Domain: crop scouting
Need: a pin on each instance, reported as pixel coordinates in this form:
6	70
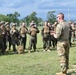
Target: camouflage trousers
63	52
46	40
32	43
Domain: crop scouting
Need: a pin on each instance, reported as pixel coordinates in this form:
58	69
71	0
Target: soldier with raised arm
62	34
23	34
14	37
46	36
33	39
8	36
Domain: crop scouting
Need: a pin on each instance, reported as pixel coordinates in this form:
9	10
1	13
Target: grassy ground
34	63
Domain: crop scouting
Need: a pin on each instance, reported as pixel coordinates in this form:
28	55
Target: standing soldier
33	33
70	33
8	36
52	38
3	34
2	39
73	33
62	34
46	36
14	37
23	37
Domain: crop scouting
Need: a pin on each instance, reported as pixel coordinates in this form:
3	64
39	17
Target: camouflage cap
31	24
2	22
13	24
6	23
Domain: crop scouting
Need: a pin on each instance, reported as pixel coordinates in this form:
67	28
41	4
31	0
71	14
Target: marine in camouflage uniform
74	31
3	34
14	37
70	33
53	40
8	36
1	40
23	35
33	39
62	34
46	36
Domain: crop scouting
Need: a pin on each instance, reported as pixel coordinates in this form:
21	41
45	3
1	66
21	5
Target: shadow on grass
11	52
73	45
72	72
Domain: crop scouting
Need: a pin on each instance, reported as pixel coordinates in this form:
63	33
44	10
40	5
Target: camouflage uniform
33	40
14	37
8	36
4	35
74	30
23	36
62	34
70	34
46	37
53	40
1	42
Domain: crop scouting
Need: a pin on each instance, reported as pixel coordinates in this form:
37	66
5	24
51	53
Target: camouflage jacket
62	31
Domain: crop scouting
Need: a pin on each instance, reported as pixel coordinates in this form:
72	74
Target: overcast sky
41	7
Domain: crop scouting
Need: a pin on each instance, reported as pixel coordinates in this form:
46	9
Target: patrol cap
2	22
13	24
6	23
31	24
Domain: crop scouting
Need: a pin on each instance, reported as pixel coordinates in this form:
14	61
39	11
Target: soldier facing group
62	34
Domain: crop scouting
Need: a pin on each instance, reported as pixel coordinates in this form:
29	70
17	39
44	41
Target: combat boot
60	73
45	49
29	51
48	50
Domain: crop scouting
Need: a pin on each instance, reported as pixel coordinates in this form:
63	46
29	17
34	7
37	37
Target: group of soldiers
15	36
19	37
58	34
72	32
47	34
6	34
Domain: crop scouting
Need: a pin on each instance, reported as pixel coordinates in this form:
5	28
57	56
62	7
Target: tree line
14	17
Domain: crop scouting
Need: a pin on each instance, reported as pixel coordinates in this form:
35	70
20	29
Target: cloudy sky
41	7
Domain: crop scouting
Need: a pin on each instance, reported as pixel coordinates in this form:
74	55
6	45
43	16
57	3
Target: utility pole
68	12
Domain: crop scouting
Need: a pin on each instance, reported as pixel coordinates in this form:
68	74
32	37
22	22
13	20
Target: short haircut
62	15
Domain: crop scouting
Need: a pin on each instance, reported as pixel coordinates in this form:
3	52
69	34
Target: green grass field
34	63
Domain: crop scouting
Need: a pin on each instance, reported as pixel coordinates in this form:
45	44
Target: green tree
14	17
4	18
51	17
29	18
40	21
33	17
